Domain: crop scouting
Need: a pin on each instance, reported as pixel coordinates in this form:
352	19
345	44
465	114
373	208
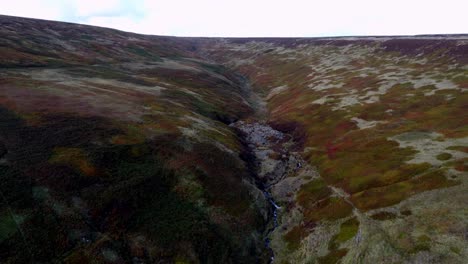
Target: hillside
124	148
385	122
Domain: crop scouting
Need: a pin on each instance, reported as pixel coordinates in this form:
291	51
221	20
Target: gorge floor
273	162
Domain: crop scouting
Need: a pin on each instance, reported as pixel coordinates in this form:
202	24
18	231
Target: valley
117	147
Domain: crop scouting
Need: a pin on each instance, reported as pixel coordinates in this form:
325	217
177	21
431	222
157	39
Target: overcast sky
248	18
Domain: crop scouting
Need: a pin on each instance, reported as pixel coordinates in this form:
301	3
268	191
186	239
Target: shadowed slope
115	148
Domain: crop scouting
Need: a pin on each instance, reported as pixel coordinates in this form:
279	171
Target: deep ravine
273	162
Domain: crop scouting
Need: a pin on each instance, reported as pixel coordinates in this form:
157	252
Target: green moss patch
332	208
444	156
459	148
348	230
422	243
394	193
312	192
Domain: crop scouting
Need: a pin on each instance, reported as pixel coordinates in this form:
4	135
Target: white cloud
256	17
85	8
122	23
46	9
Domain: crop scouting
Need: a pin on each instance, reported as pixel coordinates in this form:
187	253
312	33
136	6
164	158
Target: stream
275	209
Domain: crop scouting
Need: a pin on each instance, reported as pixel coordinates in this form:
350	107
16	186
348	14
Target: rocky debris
300	172
259	134
278	168
271	164
269	147
279	172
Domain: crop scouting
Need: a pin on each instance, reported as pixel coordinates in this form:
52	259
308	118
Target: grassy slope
383	120
115	146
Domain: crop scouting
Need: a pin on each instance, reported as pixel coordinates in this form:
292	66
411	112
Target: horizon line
422	35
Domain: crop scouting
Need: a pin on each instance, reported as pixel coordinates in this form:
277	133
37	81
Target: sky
254	18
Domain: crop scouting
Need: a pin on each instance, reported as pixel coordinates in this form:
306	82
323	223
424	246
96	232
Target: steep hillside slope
115	148
385	120
118	148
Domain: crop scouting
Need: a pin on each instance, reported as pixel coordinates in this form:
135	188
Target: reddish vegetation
117	145
416	46
331	150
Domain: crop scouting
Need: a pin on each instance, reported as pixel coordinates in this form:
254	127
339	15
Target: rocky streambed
273	162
